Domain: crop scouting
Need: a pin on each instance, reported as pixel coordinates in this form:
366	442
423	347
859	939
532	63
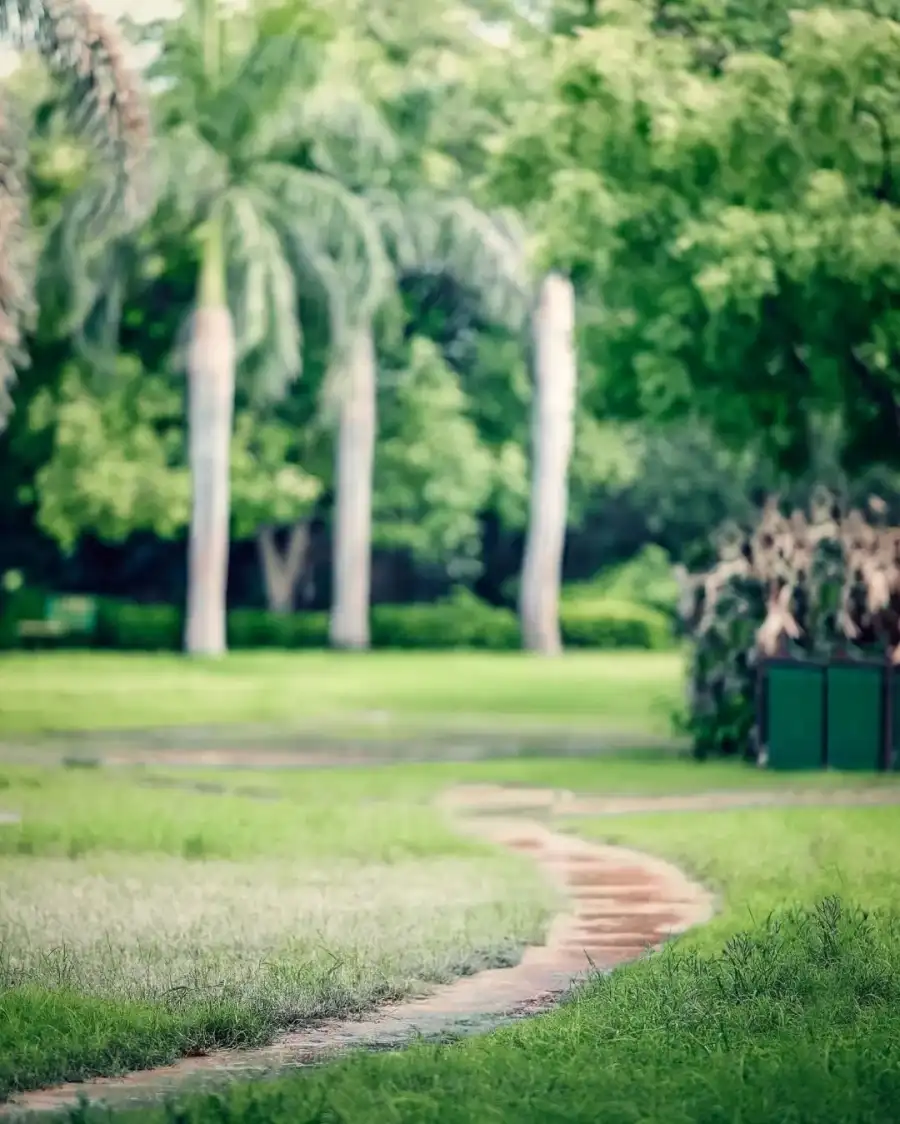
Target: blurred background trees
719	187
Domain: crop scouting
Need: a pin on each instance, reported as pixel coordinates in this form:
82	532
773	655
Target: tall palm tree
422	60
553	424
235	109
85	57
423	232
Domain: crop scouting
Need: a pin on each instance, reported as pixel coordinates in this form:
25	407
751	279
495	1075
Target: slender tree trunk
281	572
210	368
352	535
553	417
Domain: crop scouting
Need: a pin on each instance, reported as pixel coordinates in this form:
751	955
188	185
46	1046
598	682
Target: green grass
621	691
140	924
785	1009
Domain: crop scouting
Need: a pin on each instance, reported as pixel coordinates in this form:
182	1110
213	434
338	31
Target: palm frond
449	234
83	276
103	95
262	57
17	306
338	233
262	293
280	58
104	101
193	174
348	135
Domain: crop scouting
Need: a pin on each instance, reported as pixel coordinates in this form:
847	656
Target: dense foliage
721	183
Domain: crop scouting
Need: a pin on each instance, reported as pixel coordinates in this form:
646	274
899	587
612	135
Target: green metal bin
855	708
794	709
894	712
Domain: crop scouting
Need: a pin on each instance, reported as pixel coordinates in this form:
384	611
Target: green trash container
855	716
894	688
794	708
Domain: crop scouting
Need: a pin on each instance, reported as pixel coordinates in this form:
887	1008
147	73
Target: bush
460	621
138	628
17	605
255	628
646	579
613	624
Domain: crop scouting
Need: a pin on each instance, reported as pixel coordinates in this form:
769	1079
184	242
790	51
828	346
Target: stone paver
619	905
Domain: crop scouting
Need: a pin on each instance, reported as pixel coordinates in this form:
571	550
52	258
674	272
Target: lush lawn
619	691
138	924
797	1020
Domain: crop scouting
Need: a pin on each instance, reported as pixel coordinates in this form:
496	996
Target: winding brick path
619	903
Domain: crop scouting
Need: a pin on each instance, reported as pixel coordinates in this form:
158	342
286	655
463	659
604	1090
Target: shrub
138	628
255	628
613	624
646	579
460	621
17	605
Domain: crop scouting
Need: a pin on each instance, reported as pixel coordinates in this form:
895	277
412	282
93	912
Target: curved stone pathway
620	903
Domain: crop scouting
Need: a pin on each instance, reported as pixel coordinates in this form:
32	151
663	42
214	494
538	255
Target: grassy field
785	1009
138	924
619	691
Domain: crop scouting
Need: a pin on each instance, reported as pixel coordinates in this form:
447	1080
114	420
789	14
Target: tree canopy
733	228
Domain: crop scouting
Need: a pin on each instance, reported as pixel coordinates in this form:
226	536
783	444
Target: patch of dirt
620	904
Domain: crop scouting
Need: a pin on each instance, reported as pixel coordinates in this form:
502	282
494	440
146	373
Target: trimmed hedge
22	605
646	579
258	628
460	621
138	628
613	624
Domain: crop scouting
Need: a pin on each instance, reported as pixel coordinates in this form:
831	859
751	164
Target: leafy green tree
734	234
433	475
118	461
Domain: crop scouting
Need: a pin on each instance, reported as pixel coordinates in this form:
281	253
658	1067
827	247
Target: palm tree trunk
352	536
553	416
210	368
